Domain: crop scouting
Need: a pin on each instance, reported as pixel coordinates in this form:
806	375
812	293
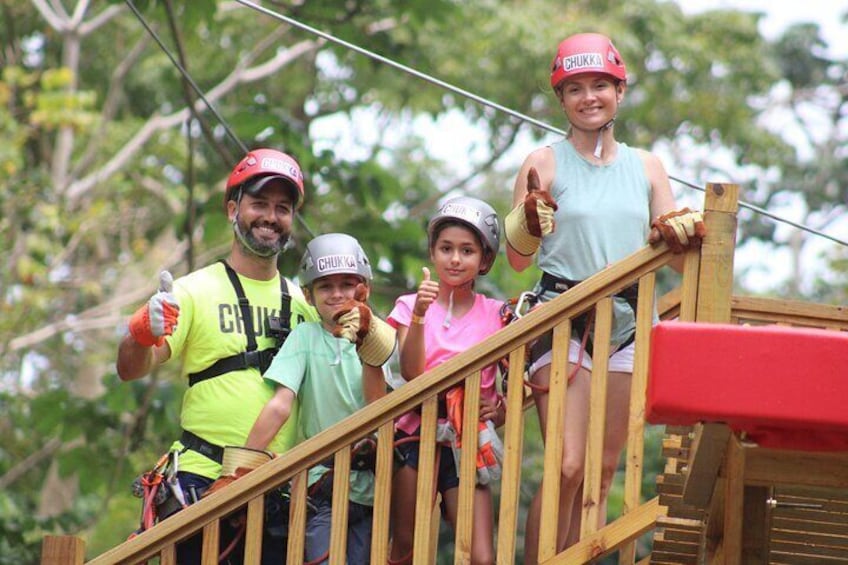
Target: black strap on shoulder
280	326
244	306
250	357
285	303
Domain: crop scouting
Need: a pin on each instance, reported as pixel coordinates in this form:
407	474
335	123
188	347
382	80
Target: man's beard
254	246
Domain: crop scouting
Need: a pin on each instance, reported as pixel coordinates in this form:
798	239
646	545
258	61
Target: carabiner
527	299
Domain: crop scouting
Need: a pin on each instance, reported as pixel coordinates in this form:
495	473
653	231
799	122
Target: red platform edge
784	387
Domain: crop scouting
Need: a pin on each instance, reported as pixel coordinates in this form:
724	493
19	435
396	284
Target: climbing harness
279	328
512	310
515	308
582	325
160	492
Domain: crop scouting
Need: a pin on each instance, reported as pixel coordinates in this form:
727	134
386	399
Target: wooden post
62	550
713	305
715	290
513	449
715	280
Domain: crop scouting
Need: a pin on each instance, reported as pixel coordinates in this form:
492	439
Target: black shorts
407	451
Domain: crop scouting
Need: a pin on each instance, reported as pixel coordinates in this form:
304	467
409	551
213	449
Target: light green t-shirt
223	409
326	375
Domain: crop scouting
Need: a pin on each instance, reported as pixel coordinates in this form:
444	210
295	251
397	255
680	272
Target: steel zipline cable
202	96
187	77
486	102
432	80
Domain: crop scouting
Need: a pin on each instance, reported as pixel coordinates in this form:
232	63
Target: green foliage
93	206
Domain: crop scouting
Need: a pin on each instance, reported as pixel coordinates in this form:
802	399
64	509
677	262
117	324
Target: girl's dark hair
450	223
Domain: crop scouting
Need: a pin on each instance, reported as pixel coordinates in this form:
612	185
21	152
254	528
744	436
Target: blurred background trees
112	169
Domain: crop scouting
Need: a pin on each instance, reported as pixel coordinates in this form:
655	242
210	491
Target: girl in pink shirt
443	318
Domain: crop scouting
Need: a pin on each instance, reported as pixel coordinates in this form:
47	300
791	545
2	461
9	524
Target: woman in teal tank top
580	205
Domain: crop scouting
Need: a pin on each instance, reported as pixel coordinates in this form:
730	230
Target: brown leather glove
225	480
532	219
353	320
374	338
237	462
680	229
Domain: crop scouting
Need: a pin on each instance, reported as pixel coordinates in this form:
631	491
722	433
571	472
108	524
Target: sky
780	14
766	266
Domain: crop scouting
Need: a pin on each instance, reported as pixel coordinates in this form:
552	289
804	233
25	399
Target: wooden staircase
807	521
788	519
679	537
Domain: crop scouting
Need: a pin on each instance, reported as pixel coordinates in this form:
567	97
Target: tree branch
189	96
99	20
33	460
59	8
79	188
79	14
53	19
110	105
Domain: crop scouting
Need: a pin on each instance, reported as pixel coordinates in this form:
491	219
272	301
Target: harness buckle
252	358
277	329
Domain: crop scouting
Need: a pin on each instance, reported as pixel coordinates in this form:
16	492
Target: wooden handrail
422	393
406	398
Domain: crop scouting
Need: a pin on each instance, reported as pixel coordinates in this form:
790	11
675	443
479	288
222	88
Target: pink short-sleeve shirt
445	337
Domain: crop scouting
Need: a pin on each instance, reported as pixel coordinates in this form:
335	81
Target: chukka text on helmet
333	254
586	53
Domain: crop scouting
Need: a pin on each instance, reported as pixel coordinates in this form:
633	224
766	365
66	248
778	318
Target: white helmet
475	214
333	254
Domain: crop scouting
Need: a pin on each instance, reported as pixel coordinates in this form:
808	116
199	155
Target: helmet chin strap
449	316
599	142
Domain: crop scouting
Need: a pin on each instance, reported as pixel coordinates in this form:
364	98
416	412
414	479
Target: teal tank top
604	215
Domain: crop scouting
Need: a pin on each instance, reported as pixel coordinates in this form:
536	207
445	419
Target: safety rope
486	102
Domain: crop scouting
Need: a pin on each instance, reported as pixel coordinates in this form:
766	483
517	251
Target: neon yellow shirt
223	409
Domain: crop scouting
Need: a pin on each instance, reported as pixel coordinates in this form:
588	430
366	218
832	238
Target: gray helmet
478	216
333	254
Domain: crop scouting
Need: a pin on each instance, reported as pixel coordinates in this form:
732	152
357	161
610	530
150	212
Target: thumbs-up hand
374	338
428	292
158	318
532	219
539	207
353	318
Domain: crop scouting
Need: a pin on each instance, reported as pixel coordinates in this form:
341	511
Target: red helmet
265	165
586	53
